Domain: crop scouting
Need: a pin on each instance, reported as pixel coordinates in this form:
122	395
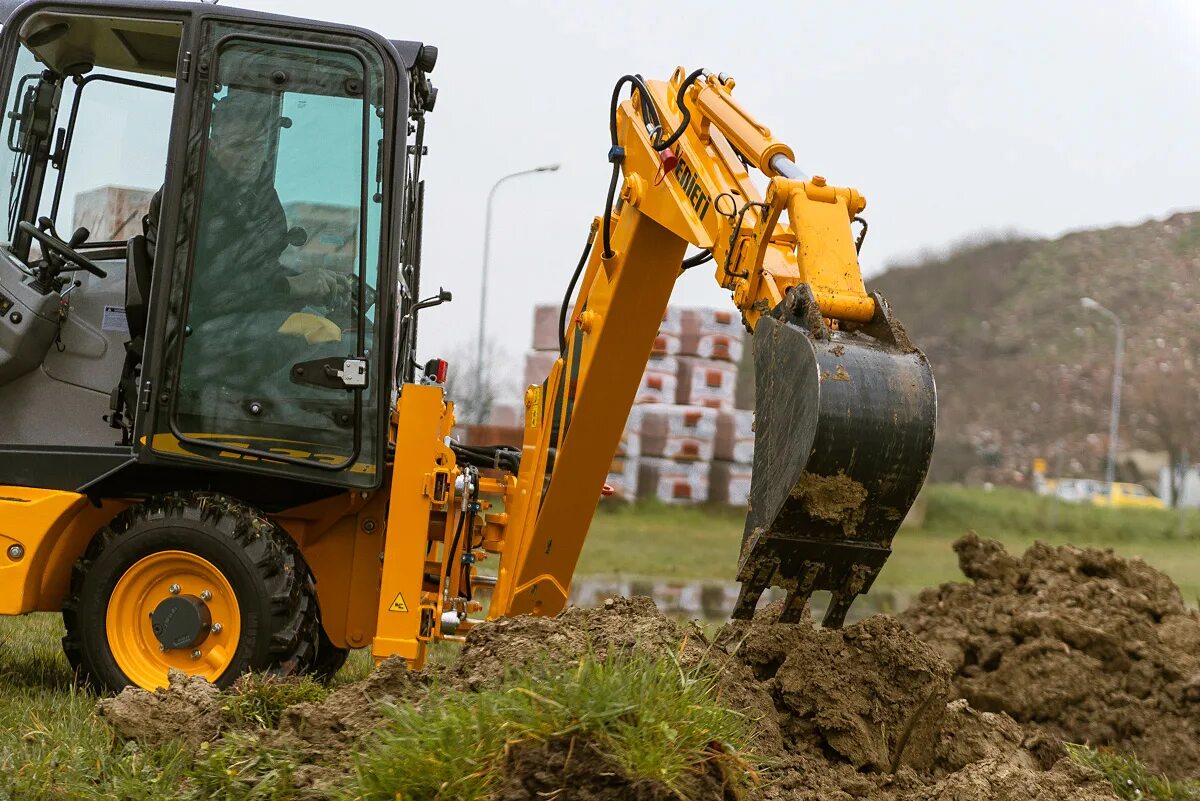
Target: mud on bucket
844	427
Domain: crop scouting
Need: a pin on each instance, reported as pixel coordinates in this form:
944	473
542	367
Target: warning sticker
114	319
398	605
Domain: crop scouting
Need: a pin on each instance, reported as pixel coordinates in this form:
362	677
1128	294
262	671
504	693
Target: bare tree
1164	397
476	388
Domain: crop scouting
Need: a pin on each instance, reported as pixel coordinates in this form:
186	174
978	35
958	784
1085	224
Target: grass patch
240	768
1131	780
655	720
257	700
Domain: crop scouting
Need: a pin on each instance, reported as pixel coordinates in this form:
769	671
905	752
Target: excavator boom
845	405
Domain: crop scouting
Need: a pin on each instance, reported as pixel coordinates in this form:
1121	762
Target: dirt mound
1081	645
860	713
188	709
619	626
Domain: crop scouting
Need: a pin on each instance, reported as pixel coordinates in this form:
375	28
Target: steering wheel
63	249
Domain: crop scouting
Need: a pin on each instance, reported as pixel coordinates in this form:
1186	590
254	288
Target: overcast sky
950	117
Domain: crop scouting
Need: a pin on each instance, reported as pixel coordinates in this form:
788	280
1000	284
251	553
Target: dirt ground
968	695
1075	644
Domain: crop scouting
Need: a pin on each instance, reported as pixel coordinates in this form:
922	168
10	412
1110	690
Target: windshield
117	155
25	75
86	146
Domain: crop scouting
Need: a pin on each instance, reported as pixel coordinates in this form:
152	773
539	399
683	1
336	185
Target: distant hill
1024	371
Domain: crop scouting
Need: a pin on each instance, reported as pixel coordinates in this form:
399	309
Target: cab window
278	355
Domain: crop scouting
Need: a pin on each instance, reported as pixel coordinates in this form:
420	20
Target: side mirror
443	296
297	237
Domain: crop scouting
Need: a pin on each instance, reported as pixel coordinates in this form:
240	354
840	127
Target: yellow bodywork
389	568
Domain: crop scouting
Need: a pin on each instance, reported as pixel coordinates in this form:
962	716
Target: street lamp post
1114	420
487	241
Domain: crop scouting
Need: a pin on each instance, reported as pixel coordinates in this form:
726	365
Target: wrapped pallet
735	436
622	479
545	328
538	364
667	345
729	483
682	433
660	382
672	321
707	383
671	481
712	334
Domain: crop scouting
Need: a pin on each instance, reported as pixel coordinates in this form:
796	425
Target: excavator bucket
844	429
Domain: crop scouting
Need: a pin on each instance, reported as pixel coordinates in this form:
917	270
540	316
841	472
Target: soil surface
866	712
1077	645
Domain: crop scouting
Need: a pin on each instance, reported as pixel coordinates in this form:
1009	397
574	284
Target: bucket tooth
844	432
793	607
747	601
756	575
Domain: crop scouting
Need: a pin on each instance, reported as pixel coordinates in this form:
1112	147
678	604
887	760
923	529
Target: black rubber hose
687	112
703	257
608	208
616	155
640	85
566	302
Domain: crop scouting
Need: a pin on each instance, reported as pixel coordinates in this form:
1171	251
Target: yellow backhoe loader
218	450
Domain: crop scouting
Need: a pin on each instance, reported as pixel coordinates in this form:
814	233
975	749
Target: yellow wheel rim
145	585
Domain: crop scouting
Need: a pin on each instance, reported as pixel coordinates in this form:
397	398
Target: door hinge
332	373
187	66
146	394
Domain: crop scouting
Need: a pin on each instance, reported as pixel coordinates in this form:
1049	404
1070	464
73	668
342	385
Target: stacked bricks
684	441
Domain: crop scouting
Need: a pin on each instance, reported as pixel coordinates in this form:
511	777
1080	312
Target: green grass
1132	780
53	746
258	701
702	543
655	720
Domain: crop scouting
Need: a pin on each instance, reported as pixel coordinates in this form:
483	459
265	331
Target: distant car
1078	490
1129	496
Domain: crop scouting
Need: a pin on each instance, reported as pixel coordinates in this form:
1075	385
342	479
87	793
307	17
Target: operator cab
201	253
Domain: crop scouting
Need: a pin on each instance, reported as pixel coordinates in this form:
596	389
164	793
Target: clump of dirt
537	770
1080	645
323	731
834	499
187	710
871	693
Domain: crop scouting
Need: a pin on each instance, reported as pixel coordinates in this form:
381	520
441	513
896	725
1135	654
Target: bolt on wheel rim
146	584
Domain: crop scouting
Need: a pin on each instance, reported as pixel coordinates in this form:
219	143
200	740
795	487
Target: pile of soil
867	712
1078	645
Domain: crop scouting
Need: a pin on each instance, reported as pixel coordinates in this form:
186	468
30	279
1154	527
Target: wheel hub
181	621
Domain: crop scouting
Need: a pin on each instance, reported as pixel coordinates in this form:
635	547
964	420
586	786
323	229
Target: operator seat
139	272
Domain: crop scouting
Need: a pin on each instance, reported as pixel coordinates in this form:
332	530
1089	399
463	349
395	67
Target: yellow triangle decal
398	605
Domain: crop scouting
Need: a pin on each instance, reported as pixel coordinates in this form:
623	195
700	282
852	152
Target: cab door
274	316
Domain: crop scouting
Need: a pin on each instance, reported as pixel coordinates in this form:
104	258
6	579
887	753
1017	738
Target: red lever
608	491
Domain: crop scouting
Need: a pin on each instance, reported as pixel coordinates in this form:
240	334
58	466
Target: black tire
330	658
275	590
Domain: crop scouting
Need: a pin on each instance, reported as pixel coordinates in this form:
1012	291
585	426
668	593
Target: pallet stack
684	442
